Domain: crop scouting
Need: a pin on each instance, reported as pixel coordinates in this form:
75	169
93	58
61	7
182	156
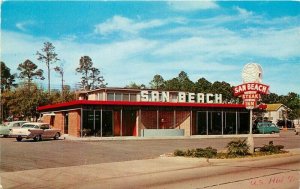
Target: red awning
130	103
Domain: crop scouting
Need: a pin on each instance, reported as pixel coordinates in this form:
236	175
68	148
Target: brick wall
46	119
59	121
74	123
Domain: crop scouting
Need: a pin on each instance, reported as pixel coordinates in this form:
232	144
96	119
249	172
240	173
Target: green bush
271	148
190	153
208	152
238	148
179	153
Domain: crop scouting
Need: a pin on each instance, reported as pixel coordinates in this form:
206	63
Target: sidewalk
76	176
120	138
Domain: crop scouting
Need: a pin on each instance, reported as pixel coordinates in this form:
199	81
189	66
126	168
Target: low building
276	112
143	113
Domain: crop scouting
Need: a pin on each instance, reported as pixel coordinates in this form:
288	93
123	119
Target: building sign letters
166	96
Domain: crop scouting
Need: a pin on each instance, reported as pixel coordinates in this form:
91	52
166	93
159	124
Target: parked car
4	128
267	127
36	131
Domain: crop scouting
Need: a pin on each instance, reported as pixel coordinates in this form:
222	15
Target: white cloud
213	53
126	25
243	12
23	26
221	42
192	5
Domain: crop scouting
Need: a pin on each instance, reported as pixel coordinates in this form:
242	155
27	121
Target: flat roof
131	103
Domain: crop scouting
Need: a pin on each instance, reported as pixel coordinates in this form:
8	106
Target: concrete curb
71	138
291	152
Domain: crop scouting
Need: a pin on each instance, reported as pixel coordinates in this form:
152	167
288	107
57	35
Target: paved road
166	172
28	155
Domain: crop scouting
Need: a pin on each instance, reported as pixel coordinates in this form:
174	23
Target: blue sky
132	41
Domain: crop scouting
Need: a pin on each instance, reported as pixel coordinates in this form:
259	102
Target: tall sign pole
251	91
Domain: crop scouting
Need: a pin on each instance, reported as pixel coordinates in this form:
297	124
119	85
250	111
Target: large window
95	124
201	128
215	127
243	123
88	123
230	123
222	122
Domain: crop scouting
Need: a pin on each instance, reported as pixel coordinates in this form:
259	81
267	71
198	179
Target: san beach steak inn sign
252	86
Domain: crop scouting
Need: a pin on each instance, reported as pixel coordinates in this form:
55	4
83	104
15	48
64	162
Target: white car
4	129
36	131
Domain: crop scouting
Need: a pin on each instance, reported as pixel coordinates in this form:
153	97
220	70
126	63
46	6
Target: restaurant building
112	112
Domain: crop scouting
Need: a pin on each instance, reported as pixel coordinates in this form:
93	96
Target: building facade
276	112
111	112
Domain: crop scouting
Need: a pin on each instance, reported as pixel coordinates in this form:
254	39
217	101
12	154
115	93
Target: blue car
267	128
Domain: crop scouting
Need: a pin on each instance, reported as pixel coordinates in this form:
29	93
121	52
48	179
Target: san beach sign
252	86
167	96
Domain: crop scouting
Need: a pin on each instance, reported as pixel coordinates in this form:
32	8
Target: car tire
57	135
37	138
5	136
272	132
19	138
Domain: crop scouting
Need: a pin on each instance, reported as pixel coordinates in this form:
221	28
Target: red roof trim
128	103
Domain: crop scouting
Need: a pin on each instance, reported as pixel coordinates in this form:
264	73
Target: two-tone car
4	128
36	131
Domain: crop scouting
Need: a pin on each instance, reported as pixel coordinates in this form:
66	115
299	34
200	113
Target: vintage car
36	131
4	128
267	128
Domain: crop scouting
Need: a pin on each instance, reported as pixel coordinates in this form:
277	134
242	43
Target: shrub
179	153
271	148
238	148
208	152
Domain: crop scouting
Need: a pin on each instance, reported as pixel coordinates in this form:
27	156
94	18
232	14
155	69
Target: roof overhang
129	103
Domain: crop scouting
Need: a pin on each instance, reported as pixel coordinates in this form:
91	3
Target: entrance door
66	123
107	125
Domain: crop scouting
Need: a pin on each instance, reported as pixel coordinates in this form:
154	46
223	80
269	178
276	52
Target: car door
47	131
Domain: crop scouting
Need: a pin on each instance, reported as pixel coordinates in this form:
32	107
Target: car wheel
19	138
37	138
57	135
5	136
272	132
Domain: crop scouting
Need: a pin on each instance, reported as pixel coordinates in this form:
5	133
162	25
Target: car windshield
28	126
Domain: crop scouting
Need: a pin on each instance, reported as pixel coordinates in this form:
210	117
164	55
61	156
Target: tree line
21	99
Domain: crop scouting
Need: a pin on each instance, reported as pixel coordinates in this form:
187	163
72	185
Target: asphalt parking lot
29	155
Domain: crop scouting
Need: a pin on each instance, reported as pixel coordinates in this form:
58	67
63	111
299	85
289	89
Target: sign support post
250	139
251	91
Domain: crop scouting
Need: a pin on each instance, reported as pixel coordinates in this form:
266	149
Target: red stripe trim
127	103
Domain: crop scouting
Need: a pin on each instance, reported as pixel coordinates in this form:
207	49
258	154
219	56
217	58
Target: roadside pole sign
252	87
251	91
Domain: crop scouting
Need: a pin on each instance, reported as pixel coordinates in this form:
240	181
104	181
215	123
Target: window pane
110	96
230	123
215	127
88	123
201	128
125	97
118	97
132	97
244	119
